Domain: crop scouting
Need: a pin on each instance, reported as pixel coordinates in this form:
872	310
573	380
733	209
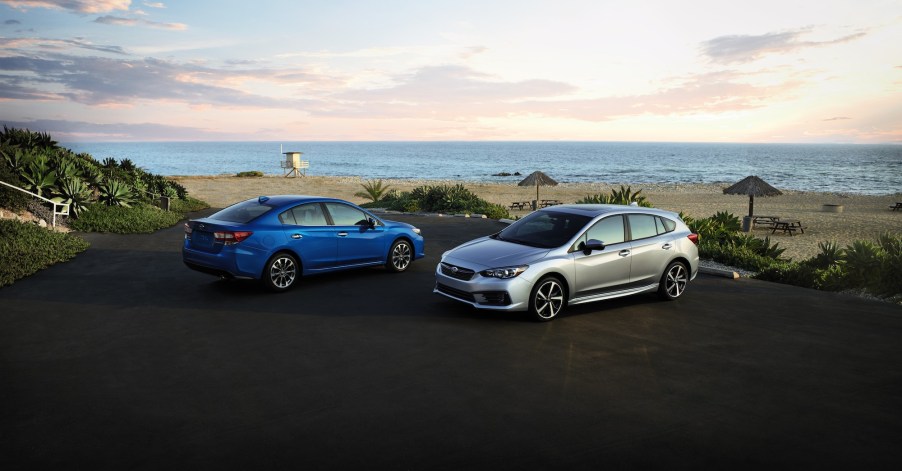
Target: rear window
243	212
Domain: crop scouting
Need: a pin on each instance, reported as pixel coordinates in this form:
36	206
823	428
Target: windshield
242	212
545	229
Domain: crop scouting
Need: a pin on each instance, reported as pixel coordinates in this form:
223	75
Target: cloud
64	130
75	6
747	48
718	92
11	44
12	22
837	118
459	85
112	81
120	21
154	4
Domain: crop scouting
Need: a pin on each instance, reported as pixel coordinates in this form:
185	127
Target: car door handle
624	253
667	246
342	234
296	236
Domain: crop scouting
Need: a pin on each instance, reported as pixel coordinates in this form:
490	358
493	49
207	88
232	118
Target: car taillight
188	231
693	237
231	237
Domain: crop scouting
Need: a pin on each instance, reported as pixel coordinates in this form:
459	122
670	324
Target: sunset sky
720	71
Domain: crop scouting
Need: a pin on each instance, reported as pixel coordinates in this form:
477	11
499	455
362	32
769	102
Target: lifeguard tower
294	165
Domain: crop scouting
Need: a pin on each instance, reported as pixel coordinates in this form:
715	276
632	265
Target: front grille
460	294
458	273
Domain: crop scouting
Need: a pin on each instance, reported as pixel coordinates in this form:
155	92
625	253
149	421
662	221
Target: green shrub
11	199
187	205
622	196
250	173
139	218
453	199
26	249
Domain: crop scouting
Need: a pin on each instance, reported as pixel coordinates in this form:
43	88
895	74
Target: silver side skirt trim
614	294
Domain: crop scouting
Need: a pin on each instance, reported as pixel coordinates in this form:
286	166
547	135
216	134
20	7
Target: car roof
594	210
278	201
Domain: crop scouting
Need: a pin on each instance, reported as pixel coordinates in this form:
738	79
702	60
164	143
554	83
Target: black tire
281	272
399	256
548	299
674	281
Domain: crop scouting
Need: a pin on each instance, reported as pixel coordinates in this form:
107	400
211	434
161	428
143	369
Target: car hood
486	252
397	225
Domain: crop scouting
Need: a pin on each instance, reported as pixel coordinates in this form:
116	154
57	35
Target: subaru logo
201	226
454	270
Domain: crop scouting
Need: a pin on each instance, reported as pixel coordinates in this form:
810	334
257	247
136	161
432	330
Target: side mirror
593	244
371	223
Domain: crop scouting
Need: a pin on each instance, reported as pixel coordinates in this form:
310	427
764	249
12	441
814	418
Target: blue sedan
276	239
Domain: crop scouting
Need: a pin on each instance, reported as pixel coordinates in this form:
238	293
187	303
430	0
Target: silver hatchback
572	254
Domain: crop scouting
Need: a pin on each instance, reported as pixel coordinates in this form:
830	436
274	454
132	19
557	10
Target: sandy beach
862	218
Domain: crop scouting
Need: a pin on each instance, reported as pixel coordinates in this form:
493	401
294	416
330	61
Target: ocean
840	168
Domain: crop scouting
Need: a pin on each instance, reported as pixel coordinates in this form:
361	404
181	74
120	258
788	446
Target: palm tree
374	190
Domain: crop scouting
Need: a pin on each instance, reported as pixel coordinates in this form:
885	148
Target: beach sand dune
863	217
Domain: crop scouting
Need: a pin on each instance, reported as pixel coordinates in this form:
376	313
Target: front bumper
483	292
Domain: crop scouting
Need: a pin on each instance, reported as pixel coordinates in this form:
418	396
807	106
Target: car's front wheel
400	256
673	281
547	299
281	272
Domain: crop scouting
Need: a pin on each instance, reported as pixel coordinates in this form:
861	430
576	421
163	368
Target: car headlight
504	272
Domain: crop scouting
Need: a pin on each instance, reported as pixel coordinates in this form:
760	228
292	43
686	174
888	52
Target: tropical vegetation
452	199
104	196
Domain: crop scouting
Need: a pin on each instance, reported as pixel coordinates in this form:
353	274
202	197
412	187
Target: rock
42	223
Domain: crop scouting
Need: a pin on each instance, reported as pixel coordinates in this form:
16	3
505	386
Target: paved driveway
125	359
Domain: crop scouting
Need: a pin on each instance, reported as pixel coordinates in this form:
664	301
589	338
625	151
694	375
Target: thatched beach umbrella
538	179
752	186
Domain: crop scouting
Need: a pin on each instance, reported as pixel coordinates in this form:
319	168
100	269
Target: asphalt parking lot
125	359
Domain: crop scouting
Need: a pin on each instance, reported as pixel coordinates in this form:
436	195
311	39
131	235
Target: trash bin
746	223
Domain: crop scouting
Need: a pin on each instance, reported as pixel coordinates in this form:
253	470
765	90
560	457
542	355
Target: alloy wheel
282	272
548	300
675	280
400	256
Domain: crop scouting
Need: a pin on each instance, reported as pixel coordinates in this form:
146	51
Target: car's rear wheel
547	299
400	256
673	281
281	272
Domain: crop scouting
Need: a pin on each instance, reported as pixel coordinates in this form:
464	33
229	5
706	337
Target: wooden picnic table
521	205
547	203
788	226
766	221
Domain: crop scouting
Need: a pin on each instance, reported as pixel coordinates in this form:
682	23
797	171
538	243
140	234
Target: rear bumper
227	263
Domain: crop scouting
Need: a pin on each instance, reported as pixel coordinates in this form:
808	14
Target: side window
642	226
344	215
660	224
310	214
609	230
668	225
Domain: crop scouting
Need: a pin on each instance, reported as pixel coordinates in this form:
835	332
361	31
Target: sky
824	71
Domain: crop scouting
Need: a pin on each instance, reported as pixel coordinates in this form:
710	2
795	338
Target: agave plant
38	177
26	139
830	254
76	194
623	196
115	193
374	189
127	165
